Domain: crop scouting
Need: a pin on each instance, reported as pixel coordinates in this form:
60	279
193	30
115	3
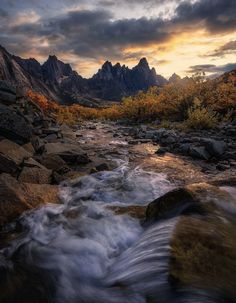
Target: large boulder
11	156
199	198
13	126
35	175
203	254
17	197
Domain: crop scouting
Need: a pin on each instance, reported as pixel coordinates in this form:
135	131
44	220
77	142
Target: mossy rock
203	254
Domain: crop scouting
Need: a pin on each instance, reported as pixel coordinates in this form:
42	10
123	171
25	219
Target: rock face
58	81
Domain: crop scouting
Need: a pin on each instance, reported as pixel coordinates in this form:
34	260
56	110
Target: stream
81	251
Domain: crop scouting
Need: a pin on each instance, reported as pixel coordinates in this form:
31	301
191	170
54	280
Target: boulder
199	152
35	175
70	153
11	156
192	198
203	254
53	162
215	148
17	197
13	126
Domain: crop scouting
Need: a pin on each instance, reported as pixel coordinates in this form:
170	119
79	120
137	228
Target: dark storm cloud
210	68
216	15
96	34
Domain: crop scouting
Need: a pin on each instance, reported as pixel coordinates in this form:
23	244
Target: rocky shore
215	150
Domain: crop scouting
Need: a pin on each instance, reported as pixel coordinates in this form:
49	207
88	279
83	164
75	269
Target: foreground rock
11	156
18	197
203	254
195	198
35	175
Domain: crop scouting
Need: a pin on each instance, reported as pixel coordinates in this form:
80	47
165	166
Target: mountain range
58	81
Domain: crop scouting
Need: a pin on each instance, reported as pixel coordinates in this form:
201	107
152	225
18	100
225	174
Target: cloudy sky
181	36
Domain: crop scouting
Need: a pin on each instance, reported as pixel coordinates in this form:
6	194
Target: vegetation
195	103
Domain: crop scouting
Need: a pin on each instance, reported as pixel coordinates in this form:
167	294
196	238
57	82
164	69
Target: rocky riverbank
213	150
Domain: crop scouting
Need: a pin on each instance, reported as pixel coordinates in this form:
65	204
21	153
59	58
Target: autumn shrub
201	117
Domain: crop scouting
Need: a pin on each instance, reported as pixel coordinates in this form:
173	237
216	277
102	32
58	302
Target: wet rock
14	126
100	167
134	211
199	152
35	175
193	198
18	197
11	156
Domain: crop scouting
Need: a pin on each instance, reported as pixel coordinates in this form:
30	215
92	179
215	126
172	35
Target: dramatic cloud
94	29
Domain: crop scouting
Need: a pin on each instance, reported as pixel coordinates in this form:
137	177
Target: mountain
58	81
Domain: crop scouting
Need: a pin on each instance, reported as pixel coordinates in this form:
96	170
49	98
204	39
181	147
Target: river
83	251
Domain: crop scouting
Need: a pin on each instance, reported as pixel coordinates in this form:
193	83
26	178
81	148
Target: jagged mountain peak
143	62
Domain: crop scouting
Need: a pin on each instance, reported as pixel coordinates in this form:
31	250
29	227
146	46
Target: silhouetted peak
174	78
143	63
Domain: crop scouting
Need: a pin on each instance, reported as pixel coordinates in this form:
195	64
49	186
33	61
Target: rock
194	197
70	153
7	93
161	150
184	148
11	156
33	163
203	254
51	130
29	147
215	148
199	152
38	145
7	98
18	197
35	175
14	126
134	211
53	162
100	167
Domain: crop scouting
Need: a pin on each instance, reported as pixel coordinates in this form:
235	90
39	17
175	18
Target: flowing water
86	253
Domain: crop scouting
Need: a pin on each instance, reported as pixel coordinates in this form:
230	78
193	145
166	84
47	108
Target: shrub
200	117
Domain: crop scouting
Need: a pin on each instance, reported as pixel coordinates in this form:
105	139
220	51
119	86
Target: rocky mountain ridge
58	81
